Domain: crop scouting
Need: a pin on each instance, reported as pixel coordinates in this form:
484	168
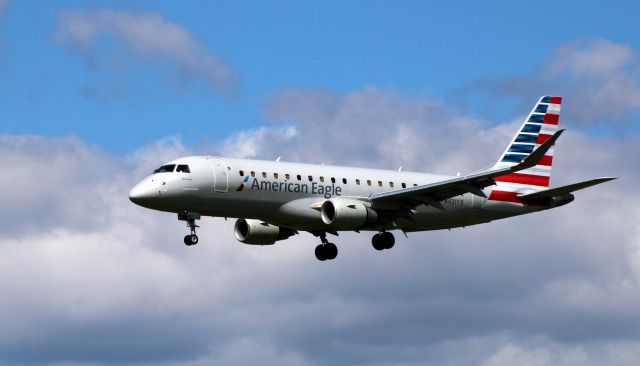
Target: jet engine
347	214
258	232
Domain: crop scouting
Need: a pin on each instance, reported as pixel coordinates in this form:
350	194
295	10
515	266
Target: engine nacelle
258	232
347	214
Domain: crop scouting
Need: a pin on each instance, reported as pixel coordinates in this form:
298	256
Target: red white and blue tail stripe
539	125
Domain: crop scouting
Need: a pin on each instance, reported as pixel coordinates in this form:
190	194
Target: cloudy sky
95	94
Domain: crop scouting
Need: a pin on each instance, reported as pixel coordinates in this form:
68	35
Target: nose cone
141	194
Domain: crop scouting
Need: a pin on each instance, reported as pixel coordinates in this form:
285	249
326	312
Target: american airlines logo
241	186
327	191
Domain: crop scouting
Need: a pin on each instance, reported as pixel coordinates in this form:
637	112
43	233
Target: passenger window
344	180
264	175
183	169
404	185
241	173
253	174
379	183
287	176
275	175
369	182
333	180
310	179
322	179
165	169
415	185
357	182
299	177
391	184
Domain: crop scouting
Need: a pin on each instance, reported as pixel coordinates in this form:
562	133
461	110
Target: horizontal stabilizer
564	189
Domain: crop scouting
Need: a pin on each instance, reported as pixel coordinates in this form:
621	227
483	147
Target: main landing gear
190	218
326	250
383	240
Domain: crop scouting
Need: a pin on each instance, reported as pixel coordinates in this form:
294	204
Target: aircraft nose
141	194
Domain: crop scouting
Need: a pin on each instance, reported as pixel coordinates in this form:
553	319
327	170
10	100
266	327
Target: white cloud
599	80
510	354
148	37
250	144
569	280
79	262
84	272
592	59
374	127
603	75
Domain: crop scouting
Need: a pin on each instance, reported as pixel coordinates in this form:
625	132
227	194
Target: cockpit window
165	168
183	168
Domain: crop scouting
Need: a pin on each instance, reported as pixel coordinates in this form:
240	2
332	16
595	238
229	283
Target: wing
433	193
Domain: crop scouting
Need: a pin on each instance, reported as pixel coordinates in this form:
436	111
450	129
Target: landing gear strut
383	240
326	250
190	218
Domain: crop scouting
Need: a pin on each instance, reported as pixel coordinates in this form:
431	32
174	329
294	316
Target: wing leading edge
431	194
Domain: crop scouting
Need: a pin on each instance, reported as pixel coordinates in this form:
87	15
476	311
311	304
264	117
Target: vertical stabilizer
539	125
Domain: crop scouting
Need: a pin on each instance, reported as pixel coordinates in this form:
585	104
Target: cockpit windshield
165	169
183	169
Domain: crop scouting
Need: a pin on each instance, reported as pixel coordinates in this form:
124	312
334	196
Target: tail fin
539	125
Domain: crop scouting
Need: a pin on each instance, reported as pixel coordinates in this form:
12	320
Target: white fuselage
289	194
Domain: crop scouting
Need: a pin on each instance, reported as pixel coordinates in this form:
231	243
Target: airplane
274	200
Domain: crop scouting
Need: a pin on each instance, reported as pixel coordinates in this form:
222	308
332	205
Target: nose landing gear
191	239
190	218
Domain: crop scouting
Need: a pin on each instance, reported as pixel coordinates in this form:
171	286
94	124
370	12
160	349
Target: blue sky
433	49
96	94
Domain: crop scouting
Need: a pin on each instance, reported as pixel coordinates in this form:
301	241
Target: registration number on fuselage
458	202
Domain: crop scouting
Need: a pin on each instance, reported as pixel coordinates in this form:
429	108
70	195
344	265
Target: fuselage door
220	175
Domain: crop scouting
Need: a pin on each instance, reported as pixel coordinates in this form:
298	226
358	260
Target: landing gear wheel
321	253
191	239
194	239
326	250
378	242
383	240
388	239
190	218
331	251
